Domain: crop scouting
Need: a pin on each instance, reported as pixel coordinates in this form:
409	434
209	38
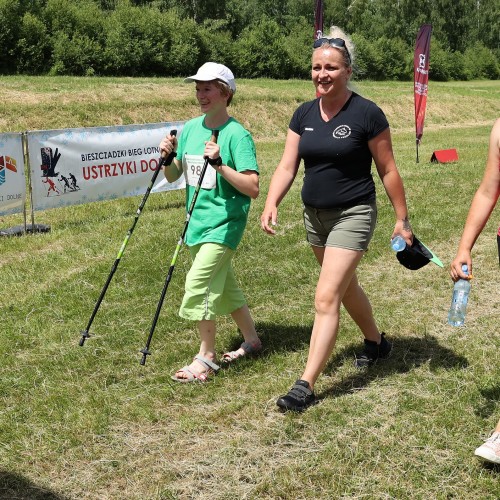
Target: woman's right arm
281	182
482	205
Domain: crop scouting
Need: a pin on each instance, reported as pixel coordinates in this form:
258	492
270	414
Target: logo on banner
6	163
421	64
56	183
49	162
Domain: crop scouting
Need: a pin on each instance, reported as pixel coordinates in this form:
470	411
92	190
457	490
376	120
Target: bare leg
356	303
207	347
359	308
244	321
337	270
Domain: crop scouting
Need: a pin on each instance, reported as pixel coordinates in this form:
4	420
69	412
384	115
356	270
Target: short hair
225	90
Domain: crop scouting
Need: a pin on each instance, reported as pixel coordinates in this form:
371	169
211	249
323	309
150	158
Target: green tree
77	33
487	22
480	63
445	65
33	48
298	49
261	51
10	14
452	23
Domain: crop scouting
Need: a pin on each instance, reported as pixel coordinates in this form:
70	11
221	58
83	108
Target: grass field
91	423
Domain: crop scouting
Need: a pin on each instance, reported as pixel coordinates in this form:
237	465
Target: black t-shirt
337	160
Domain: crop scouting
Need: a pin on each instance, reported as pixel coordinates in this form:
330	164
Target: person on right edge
338	134
482	205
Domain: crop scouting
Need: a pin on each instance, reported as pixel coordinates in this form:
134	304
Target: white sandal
193	376
249	348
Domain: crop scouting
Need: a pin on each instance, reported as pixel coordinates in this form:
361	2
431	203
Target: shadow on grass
491	397
277	338
491	466
408	353
18	487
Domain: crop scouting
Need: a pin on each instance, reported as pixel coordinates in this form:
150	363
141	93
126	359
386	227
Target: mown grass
90	422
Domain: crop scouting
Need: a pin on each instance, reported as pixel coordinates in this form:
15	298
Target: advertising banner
318	19
421	77
74	166
12	181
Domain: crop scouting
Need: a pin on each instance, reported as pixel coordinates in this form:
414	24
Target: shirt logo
342	132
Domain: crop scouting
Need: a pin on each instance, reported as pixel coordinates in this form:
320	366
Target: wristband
215	162
168	160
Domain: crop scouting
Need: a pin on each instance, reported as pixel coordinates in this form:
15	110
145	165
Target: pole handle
164	158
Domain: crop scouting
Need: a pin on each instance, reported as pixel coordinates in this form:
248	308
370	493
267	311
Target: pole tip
145	354
85	336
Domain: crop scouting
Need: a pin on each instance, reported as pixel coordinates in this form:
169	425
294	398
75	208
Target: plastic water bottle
398	243
461	289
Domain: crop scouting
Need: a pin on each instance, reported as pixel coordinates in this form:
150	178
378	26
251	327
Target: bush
83	17
394	61
366	60
445	65
145	41
480	63
215	43
298	47
77	32
182	56
77	55
260	51
129	50
33	50
10	13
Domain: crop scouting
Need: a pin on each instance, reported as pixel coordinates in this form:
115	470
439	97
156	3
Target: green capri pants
211	288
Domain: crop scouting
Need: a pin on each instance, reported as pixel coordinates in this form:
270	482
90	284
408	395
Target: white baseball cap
214	71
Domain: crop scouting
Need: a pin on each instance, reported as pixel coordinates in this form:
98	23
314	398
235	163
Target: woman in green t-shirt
219	216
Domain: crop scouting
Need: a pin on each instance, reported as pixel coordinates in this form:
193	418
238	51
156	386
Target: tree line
255	38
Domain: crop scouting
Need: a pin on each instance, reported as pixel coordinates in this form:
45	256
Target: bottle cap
465	270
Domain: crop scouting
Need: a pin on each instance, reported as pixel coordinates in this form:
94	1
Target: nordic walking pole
167	159
145	351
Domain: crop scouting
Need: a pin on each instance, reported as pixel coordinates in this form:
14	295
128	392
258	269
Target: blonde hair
336	32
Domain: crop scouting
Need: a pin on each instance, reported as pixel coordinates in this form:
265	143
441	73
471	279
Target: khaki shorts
211	288
350	228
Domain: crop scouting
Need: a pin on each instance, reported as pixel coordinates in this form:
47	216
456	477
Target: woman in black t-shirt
337	135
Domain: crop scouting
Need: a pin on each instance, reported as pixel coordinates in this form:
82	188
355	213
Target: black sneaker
299	397
372	352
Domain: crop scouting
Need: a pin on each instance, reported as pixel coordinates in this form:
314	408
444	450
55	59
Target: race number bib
193	166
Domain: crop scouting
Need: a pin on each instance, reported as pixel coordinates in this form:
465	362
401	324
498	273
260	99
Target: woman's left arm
246	182
381	150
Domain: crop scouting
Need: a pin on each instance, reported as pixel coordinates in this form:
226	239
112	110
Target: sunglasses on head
334	42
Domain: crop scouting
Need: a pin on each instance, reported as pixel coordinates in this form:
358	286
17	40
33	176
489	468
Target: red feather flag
318	22
421	78
318	19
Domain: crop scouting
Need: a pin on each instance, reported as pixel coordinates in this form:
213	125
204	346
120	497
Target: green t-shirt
221	211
